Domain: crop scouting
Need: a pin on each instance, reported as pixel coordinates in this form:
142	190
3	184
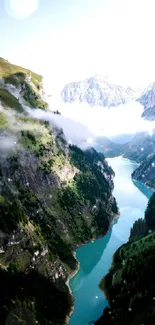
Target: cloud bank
82	124
123	119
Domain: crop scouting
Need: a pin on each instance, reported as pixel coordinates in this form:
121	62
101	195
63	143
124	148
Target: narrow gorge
53	198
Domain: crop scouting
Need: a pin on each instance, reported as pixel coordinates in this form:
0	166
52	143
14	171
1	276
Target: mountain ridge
96	91
147	99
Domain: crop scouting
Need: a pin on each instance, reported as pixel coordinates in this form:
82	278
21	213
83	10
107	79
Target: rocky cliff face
141	147
97	91
147	99
146	172
53	197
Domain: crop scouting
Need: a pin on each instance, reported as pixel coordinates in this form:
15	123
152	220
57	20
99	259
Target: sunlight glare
21	9
89	140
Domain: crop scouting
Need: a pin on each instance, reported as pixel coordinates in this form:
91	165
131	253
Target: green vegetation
12	73
58	161
69	198
142	226
130	285
138	230
2	199
30	82
52	198
11	214
91	182
28	290
3	121
151	183
33	297
8	100
32	97
150	213
37	140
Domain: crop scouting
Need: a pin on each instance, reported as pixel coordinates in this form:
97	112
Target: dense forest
129	285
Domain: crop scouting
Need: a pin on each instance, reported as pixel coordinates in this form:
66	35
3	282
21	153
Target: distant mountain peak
100	77
147	99
97	91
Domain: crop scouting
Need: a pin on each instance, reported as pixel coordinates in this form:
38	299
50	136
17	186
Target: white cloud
82	124
75	132
123	119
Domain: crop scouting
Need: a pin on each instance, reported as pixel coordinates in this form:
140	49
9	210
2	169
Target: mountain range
97	91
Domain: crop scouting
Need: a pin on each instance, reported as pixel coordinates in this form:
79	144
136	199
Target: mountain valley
53	198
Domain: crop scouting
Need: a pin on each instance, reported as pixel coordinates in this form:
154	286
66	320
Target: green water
95	258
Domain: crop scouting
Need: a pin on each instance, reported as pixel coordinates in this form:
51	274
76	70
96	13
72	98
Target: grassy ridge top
25	82
7	69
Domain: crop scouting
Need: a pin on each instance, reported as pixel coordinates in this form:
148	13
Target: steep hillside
53	197
146	172
96	91
147	99
129	285
20	86
141	147
108	147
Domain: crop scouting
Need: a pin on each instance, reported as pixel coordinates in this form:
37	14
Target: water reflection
93	253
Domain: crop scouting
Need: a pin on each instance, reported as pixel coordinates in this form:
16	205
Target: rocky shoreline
71	275
116	216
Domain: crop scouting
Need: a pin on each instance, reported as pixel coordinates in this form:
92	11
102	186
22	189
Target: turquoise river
95	257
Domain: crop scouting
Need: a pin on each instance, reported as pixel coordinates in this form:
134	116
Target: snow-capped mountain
97	90
147	99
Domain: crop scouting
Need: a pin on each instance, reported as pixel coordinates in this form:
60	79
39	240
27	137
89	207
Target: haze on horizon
72	40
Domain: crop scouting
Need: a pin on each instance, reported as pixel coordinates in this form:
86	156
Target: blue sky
67	40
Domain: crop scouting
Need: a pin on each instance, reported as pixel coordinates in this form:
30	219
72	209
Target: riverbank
115	217
71	275
102	284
